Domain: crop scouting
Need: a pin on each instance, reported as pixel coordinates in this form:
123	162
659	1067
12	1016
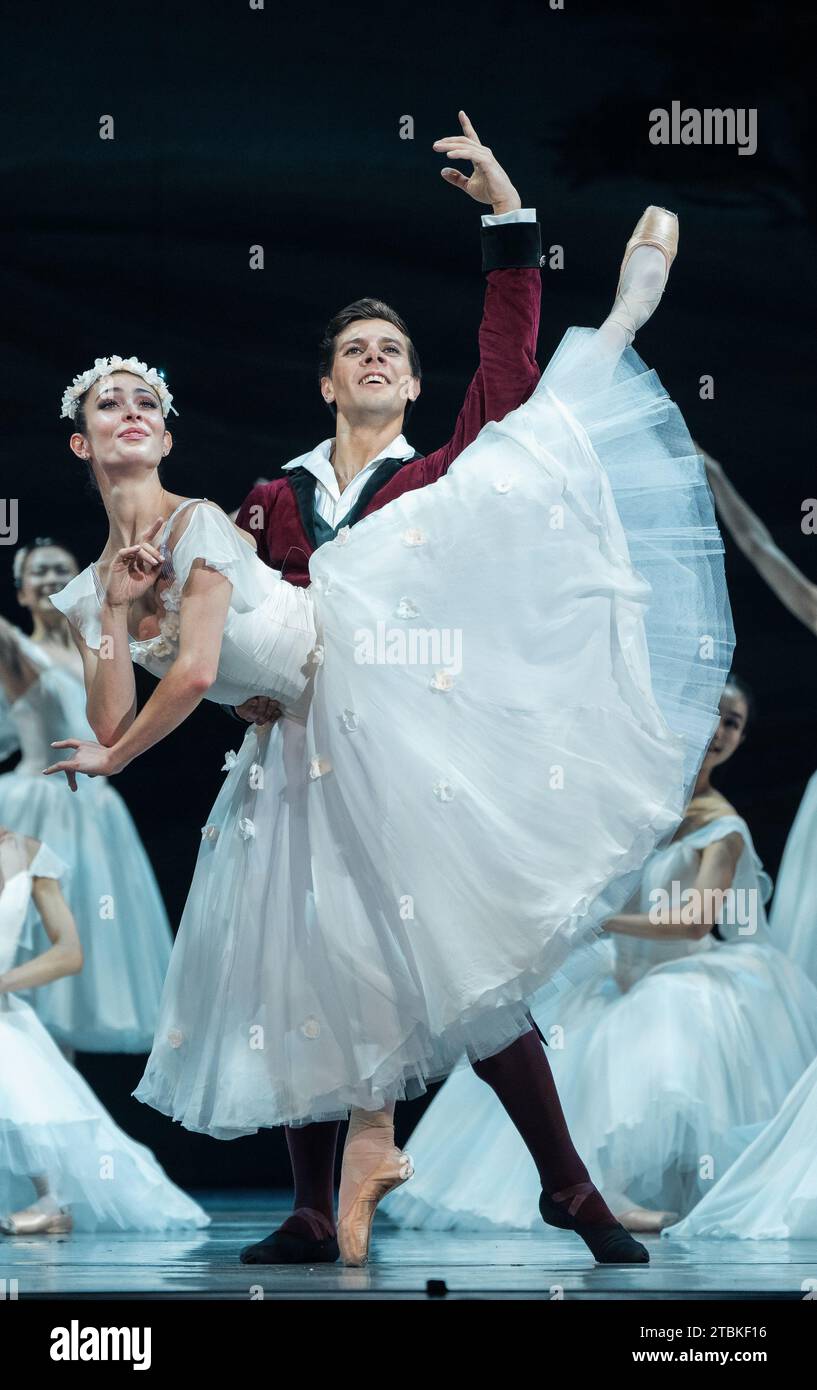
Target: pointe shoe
646	1222
635	304
355	1225
655	227
38	1223
608	1244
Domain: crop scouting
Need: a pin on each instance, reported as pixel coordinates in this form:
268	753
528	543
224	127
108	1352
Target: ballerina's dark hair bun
743	688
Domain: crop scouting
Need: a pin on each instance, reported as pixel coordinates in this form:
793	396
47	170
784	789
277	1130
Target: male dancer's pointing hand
488	182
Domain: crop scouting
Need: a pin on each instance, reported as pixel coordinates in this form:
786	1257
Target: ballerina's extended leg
644	270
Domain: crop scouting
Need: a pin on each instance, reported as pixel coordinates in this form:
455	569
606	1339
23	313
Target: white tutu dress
111	1006
793	918
515	678
667	1064
51	1123
770	1192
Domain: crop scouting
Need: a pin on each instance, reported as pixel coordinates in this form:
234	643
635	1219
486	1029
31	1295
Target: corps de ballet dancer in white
770	1192
793	916
55	1135
540	770
667	1062
112	1004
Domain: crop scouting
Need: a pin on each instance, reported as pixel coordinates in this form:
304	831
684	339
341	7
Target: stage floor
503	1265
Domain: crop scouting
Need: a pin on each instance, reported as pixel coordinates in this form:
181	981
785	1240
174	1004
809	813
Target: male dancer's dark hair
367	308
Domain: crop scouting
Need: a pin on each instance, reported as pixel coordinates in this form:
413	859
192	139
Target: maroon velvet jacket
505	377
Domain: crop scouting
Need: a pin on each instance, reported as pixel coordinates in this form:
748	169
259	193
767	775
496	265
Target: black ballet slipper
608	1245
286	1248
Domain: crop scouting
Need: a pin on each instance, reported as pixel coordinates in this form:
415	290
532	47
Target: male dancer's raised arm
369	461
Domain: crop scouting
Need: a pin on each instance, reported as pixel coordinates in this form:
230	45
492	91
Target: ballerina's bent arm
64	956
703	902
205	602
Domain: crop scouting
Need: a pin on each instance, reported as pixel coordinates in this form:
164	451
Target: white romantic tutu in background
382	888
51	1123
770	1192
674	1055
793	917
111	1006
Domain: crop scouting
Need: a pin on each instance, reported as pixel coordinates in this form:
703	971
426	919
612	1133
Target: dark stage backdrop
280	126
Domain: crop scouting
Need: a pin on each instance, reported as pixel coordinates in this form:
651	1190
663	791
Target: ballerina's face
731	730
46	570
123	423
371	378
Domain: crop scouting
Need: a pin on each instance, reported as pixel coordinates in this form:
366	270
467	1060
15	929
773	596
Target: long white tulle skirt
521	672
770	1192
793	918
53	1126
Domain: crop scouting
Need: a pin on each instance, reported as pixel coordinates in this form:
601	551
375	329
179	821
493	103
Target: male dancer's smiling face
371	380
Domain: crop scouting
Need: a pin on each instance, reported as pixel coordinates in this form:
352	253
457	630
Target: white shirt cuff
497	219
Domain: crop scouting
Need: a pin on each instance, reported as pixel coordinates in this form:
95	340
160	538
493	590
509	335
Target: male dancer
370	378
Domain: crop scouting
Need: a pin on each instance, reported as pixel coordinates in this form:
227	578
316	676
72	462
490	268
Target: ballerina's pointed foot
646	1221
648	256
608	1242
34	1221
357	1213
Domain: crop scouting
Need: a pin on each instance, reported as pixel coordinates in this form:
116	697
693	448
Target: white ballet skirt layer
516	676
111	1006
666	1065
770	1191
51	1123
793	917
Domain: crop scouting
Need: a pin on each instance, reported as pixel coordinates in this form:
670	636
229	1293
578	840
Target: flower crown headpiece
104	366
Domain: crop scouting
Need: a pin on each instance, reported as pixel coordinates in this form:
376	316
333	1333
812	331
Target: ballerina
769	1193
55	1135
343	969
792	918
111	1006
662	1060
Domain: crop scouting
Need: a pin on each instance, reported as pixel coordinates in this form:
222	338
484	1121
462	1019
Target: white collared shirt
331	504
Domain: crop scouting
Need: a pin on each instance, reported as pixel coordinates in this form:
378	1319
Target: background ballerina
55	1135
663	1060
111	1005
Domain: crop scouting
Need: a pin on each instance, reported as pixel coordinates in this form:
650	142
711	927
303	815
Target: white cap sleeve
209	536
718	830
47	864
79	603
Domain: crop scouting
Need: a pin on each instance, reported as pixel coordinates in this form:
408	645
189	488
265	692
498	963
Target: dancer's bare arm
17	673
696	919
751	536
203	611
64	957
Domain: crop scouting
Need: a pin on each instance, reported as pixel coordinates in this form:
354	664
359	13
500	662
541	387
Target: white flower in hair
104	366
